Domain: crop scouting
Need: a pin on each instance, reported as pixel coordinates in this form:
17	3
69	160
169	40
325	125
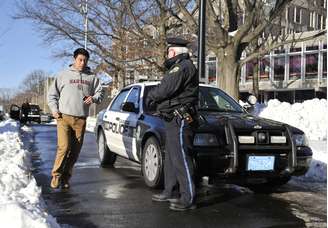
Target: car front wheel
106	157
152	164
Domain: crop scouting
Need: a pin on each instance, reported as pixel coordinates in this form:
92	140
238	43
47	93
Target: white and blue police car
230	144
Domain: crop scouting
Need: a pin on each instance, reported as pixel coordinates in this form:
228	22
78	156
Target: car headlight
300	140
205	140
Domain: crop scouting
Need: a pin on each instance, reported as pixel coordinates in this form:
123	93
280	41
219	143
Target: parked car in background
34	113
46	117
230	144
14	112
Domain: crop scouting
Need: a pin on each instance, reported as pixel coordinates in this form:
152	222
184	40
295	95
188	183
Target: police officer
176	98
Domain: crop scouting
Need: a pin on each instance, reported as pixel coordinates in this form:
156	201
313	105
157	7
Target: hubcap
151	162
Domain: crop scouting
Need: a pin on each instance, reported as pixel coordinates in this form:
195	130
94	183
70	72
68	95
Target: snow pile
21	204
318	167
309	116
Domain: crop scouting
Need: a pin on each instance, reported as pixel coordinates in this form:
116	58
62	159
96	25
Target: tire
106	157
152	164
270	186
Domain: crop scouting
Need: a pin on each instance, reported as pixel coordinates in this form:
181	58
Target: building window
295	49
319	21
264	68
295	67
297	15
324	22
311	48
312	19
311	67
279	68
249	70
324	65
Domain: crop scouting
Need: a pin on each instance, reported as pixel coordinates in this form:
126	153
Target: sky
22	49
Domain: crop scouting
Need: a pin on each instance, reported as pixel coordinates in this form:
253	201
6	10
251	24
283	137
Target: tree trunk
228	78
256	79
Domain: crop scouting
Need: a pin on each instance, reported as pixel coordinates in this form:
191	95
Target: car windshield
214	99
34	108
211	99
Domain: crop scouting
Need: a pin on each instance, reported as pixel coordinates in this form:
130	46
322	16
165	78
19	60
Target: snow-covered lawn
21	204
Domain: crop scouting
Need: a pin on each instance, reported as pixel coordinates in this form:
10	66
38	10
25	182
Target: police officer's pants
178	167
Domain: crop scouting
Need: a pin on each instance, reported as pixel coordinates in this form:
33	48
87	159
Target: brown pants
70	133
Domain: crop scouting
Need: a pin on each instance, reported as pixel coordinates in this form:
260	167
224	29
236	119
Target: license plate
260	163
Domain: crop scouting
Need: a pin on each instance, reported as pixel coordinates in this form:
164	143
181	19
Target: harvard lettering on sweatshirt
67	91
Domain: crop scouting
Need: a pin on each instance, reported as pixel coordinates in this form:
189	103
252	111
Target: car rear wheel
106	157
152	164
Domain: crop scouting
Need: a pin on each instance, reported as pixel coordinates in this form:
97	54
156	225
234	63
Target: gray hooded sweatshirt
67	91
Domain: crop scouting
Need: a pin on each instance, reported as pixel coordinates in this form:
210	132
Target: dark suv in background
34	113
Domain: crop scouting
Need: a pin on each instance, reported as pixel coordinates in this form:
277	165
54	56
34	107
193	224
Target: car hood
239	121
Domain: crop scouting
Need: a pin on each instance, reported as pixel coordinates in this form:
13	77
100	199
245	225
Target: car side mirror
129	107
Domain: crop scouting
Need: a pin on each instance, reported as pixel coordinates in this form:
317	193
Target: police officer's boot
163	197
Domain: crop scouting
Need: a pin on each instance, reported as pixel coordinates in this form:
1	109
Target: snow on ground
21	205
311	117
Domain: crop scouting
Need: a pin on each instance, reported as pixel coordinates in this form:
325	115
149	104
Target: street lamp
201	38
84	11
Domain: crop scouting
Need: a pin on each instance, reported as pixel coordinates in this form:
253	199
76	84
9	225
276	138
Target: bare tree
6	95
233	28
121	34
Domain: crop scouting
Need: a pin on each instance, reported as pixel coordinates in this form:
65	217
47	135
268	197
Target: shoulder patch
175	69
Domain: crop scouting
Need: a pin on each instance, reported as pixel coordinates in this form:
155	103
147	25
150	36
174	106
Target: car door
112	123
130	120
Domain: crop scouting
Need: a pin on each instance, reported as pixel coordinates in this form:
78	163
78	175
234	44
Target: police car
229	144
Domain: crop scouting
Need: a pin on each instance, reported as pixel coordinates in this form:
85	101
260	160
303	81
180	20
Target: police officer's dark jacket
178	86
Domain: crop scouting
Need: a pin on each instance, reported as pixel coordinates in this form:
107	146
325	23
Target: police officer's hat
177	42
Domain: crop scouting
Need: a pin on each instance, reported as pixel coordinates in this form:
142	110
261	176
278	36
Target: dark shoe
162	198
178	206
55	181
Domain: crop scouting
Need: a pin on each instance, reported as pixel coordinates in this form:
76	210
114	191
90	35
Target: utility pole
84	11
201	38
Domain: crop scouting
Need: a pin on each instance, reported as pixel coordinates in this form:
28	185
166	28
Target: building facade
295	72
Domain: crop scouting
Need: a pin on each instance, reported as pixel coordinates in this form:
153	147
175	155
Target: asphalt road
117	197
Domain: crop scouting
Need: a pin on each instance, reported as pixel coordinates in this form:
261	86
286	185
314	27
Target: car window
213	99
117	104
146	91
134	97
34	108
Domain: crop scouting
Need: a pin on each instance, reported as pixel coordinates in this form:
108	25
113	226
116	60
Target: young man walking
69	99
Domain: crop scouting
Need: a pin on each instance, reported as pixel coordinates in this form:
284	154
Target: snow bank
309	116
21	204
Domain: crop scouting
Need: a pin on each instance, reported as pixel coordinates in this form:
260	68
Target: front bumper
215	161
